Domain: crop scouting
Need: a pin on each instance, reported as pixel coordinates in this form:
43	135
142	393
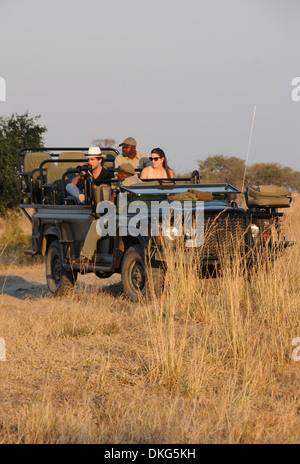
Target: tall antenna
249	143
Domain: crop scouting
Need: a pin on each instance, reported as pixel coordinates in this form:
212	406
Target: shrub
16	132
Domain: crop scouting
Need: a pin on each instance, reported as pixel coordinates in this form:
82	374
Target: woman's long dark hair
161	154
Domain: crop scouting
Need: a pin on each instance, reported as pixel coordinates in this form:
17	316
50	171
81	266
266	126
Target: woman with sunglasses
159	169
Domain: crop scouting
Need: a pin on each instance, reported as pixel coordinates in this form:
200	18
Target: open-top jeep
60	226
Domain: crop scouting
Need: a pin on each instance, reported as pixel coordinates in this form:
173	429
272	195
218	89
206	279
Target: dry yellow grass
209	363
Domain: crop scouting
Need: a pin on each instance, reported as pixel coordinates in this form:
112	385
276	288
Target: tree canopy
103	143
16	132
218	168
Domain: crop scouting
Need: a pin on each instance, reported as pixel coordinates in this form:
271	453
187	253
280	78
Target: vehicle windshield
165	189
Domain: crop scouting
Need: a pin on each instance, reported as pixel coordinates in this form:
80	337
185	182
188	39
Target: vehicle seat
64	156
32	163
109	159
31	173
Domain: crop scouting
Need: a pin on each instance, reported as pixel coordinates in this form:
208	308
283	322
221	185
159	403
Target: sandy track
27	282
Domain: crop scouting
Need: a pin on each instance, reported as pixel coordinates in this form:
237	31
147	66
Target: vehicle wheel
138	279
59	281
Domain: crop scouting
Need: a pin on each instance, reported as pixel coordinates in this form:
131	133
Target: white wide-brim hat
94	152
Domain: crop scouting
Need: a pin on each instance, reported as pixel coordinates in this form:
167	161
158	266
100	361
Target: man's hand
114	193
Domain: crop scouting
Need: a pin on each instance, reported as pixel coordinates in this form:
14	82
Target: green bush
16	132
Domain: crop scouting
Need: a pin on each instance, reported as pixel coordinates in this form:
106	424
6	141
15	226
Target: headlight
254	230
171	233
168	232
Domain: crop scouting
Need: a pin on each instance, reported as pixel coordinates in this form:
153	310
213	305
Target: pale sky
182	75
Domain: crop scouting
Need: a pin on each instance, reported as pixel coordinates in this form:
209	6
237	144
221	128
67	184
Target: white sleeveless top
153	176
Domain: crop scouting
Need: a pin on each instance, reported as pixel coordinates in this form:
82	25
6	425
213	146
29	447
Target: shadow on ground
22	289
113	285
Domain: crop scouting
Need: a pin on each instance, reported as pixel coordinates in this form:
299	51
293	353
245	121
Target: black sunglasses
154	159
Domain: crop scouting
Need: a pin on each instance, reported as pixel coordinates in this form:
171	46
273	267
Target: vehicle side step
29	252
90	268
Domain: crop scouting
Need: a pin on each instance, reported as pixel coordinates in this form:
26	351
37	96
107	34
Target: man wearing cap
97	172
130	155
126	177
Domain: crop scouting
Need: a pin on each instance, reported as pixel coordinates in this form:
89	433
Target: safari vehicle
59	225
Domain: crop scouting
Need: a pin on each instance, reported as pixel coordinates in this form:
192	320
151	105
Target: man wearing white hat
97	172
126	178
130	155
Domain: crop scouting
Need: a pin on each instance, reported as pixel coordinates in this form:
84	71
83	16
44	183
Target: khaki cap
127	168
129	141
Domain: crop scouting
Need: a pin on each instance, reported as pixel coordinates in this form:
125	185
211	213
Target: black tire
59	281
138	279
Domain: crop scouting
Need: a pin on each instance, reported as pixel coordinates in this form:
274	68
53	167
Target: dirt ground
28	282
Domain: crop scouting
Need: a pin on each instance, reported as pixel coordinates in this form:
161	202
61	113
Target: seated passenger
130	155
159	168
97	173
126	177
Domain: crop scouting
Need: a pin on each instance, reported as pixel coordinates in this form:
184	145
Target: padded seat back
55	173
68	155
54	177
32	163
108	159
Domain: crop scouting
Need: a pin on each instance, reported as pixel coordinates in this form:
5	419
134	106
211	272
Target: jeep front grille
224	234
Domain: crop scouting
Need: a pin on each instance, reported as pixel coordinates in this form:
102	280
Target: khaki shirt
132	180
140	161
